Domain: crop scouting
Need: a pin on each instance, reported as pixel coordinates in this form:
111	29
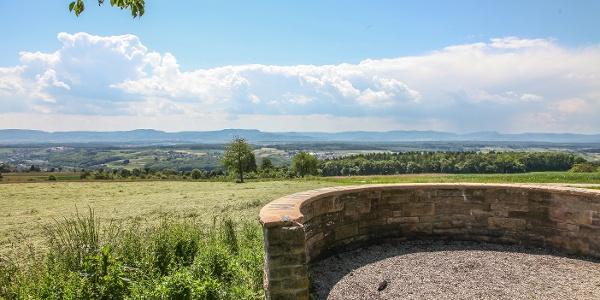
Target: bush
99	175
584	168
183	285
196	174
176	259
104	276
52	178
84	175
124	173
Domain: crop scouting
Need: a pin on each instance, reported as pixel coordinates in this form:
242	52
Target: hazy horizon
306	131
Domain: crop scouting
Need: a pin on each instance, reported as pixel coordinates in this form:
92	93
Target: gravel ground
455	270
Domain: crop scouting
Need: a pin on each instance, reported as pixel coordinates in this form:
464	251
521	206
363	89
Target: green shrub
103	276
84	175
88	259
229	235
182	285
52	178
584	168
196	174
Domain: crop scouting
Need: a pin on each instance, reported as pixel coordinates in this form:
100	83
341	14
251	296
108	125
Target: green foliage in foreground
174	260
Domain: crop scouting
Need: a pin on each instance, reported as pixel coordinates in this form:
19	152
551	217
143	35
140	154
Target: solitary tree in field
136	7
304	164
239	158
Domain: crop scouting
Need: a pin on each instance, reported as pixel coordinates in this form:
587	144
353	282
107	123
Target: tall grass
87	259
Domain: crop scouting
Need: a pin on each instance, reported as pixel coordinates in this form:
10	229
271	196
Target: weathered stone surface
417	209
300	228
596	218
506	223
346	231
403	220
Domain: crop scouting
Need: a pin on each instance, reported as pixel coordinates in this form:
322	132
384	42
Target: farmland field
26	208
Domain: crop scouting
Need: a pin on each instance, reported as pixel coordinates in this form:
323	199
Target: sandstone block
506	223
346	231
417	209
403	220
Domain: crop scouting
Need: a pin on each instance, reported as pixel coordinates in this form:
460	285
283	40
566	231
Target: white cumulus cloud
507	84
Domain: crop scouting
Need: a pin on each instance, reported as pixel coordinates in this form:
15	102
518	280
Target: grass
174	260
146	240
25	209
38	177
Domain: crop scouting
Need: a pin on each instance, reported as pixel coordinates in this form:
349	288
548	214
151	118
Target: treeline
363	164
448	162
265	170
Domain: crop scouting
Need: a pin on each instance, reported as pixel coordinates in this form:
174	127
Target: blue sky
303	65
214	33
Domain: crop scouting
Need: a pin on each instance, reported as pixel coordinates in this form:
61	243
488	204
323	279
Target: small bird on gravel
382	285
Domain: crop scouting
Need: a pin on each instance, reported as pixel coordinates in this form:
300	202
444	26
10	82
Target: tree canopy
304	164
239	158
448	162
266	164
136	7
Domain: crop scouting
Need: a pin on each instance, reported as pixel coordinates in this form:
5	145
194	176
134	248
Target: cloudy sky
305	66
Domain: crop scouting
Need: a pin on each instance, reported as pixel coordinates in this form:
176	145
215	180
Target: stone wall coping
286	211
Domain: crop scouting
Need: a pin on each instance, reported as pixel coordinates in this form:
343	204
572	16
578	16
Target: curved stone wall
303	227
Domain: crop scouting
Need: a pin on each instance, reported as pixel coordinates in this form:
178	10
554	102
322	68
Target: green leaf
81	8
136	7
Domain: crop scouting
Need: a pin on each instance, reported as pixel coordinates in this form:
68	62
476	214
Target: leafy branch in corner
135	6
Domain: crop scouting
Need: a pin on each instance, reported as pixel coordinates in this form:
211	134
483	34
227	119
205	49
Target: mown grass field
25	209
38	177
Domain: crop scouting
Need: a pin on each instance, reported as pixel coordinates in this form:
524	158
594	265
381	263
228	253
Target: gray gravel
455	270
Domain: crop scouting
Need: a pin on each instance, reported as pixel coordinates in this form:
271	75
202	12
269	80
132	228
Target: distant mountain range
19	136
